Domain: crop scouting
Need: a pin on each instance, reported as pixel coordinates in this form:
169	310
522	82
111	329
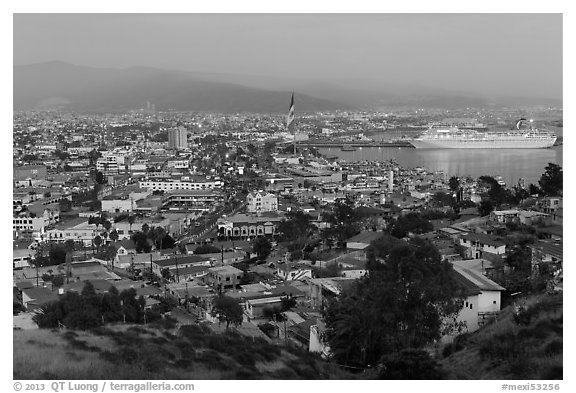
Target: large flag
290	113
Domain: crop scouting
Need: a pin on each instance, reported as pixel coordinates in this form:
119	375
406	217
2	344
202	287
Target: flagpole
290	119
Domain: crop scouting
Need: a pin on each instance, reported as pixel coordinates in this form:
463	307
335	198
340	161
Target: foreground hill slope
526	346
144	353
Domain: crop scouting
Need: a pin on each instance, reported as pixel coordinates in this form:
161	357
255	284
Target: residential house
22	257
362	240
481	303
553	232
482	246
548	254
224	277
325	288
551	205
290	273
124	247
176	263
352	267
504	216
127	259
34	298
317	344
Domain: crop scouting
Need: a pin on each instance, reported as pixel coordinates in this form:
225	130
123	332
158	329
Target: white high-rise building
391	181
178	138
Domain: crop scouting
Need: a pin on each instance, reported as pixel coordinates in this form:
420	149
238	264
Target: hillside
530	349
65	86
148	353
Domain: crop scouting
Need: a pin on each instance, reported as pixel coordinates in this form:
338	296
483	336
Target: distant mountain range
59	85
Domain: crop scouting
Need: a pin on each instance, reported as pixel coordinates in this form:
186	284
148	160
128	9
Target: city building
192	200
247	226
110	164
177	138
27	172
260	201
183	184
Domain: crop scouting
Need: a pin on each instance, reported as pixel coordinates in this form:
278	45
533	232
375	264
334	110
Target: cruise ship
451	137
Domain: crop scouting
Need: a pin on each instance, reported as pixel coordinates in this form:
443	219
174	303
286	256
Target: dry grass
507	350
134	352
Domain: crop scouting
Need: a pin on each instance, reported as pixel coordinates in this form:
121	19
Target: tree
57	281
57	254
113	235
533	189
131	220
98	177
93	156
297	224
110	306
107	225
410	364
206	249
65	205
485	208
343	221
69	245
166	275
262	247
454	183
97	241
228	310
141	242
402	303
410	223
551	180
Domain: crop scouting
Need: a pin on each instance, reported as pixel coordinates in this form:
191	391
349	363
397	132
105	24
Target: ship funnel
519	123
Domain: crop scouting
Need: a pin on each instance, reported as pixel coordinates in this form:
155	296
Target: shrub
554	347
410	364
269	329
553	373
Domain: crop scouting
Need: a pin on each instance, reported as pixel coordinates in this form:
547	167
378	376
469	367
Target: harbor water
511	164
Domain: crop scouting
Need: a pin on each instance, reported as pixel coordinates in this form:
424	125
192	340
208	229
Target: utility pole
285	331
177	271
222	253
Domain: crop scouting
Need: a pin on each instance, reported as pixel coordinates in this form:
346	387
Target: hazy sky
508	54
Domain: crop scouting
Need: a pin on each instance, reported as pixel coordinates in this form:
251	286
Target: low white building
35	224
175	184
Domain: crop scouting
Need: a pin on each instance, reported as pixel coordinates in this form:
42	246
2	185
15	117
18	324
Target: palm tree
131	220
113	235
107	225
97	242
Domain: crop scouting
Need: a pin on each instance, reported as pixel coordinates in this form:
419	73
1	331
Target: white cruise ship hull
483	143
